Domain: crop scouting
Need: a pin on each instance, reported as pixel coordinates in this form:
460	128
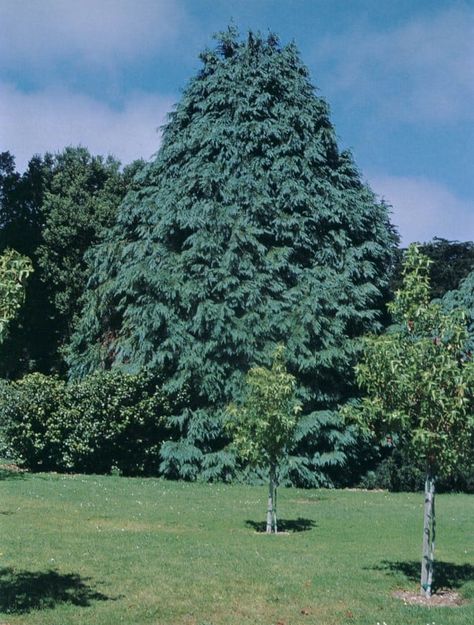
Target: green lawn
110	550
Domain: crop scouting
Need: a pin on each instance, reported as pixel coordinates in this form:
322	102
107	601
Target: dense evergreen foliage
463	299
53	213
249	228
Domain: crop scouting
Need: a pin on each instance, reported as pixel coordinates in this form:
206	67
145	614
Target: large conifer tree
248	229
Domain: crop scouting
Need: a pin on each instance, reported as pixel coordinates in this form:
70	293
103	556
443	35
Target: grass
83	550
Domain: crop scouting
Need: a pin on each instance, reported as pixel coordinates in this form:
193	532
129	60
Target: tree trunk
429	531
275	527
271	507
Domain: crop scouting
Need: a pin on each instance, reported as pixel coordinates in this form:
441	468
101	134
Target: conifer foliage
463	299
249	228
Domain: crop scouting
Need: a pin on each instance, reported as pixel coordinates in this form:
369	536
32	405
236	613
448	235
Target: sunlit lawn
108	550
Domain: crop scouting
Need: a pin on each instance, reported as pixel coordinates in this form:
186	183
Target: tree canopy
80	202
419	376
249	228
463	299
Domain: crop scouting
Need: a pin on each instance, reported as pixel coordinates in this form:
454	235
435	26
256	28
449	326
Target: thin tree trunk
271	507
275	526
429	530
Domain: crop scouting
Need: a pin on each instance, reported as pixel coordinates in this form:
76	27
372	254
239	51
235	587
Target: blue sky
398	75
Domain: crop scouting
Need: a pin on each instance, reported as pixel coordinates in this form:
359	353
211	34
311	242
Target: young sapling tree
419	379
263	425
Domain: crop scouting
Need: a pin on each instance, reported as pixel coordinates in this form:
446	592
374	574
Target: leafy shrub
399	472
108	421
113	421
28	416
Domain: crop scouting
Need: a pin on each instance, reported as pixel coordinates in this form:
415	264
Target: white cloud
51	119
421	70
90	32
423	208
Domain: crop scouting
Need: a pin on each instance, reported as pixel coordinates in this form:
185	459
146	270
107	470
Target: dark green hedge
106	422
126	423
112	421
401	471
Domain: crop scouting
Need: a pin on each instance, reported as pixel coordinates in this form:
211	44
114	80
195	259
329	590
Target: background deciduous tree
30	343
53	213
451	262
79	205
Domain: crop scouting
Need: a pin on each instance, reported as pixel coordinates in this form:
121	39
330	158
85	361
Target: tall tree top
248	229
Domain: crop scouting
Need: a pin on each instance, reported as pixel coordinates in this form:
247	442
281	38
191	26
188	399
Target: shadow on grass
23	591
284	525
446	574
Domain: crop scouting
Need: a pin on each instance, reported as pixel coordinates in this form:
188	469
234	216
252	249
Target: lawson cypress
249	228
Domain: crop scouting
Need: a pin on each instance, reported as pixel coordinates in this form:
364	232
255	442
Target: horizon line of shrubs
114	422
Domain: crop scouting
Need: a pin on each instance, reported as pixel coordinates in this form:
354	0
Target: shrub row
111	421
106	422
126	423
